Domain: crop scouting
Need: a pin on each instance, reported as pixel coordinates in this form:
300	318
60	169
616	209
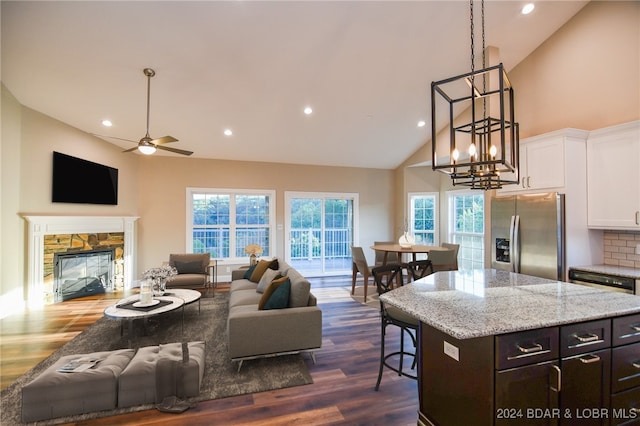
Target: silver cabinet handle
635	327
536	347
638	218
636	364
528	181
587	338
588	359
558	387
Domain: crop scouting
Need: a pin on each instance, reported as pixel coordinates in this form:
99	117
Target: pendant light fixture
479	147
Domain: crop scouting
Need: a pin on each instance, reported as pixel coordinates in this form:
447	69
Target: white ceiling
252	66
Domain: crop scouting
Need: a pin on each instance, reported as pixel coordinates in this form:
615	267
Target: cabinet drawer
526	347
626	330
625	407
585	337
626	367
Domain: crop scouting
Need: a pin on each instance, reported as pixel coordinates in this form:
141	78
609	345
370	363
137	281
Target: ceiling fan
147	145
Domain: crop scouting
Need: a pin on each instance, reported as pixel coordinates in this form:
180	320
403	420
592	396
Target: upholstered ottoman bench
55	394
162	369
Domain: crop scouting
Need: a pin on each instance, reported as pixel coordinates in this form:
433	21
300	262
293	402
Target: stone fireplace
49	236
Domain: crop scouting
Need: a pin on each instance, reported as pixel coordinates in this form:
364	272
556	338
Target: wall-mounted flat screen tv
81	181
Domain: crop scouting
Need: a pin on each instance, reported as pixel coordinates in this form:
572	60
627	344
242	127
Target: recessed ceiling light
308	110
421	123
228	132
528	8
107	123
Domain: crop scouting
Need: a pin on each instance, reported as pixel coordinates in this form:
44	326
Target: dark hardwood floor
344	376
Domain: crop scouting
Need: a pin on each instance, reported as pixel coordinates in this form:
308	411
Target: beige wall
163	182
586	76
41	135
12	288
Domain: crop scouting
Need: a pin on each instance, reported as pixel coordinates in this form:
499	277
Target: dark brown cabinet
625	371
579	374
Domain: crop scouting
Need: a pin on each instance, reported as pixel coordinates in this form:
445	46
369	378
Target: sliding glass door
320	232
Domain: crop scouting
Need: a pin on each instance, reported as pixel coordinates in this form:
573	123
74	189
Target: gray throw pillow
268	276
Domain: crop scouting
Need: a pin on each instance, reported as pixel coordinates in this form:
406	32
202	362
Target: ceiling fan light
147	149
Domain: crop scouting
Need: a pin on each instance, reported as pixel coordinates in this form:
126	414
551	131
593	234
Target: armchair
193	271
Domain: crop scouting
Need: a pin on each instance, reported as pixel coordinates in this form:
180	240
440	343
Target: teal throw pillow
247	275
280	297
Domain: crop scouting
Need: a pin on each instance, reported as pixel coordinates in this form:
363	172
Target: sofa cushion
244	297
183	258
300	289
189	267
187	280
281	297
268	276
242	285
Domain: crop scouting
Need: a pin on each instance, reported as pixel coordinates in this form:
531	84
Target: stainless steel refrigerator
528	235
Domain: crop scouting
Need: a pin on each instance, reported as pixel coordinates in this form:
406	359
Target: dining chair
419	268
443	260
392	257
454	247
385	276
359	264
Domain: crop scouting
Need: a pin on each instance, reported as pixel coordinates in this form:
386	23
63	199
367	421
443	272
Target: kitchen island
502	348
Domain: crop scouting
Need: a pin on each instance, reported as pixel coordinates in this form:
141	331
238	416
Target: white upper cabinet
546	161
613	177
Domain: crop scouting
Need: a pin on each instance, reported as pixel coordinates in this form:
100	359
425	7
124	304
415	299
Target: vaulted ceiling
364	67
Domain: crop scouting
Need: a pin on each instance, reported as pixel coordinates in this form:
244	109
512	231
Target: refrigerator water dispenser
502	250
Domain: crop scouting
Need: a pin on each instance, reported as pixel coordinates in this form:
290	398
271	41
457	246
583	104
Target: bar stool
384	277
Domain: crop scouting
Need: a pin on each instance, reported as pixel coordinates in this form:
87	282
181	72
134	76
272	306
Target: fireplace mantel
39	226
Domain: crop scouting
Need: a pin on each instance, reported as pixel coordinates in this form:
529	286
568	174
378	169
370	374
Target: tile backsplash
620	248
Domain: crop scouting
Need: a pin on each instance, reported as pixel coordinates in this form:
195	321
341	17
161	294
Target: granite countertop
484	302
621	271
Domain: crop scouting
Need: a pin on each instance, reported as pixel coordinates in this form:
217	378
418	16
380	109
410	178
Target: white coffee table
128	315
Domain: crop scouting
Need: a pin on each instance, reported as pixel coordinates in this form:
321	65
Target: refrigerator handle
515	244
511	242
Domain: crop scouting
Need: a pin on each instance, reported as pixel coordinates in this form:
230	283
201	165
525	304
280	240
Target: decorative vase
159	286
406	241
253	259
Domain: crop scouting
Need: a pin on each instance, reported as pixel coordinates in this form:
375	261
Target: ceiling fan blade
164	139
130	149
112	137
176	150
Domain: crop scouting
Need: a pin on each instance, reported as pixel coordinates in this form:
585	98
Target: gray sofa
254	333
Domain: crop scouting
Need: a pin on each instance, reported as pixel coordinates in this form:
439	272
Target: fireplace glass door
79	274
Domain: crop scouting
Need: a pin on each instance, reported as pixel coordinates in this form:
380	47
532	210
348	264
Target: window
223	222
466	227
423	217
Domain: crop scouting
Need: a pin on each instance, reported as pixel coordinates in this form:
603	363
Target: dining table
414	250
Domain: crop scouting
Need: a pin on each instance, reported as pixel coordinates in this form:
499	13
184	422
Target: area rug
221	378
